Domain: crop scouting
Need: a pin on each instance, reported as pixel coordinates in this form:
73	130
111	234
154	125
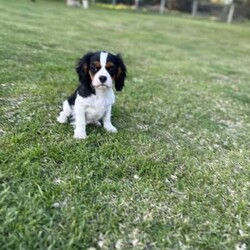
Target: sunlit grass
175	176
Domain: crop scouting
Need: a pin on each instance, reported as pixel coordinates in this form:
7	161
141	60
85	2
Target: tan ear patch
119	72
85	68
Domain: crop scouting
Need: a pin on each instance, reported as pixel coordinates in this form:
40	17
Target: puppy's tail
65	113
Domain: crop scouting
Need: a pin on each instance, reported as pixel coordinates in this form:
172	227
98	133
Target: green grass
177	173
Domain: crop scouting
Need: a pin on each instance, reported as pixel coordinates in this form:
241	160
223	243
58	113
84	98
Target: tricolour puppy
93	99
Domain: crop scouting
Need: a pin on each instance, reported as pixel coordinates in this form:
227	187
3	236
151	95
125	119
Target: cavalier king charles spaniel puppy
93	99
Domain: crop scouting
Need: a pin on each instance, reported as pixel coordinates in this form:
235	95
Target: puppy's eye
93	69
111	71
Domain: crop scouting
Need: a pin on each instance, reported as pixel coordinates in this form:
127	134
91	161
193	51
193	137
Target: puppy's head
100	69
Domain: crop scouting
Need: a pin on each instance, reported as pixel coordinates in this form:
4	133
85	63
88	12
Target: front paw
80	134
62	118
110	128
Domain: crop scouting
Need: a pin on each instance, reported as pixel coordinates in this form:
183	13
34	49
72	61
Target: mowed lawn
177	173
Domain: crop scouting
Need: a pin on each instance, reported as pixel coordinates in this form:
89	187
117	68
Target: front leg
80	120
107	121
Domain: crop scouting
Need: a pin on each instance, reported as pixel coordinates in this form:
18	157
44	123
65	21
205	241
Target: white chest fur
95	106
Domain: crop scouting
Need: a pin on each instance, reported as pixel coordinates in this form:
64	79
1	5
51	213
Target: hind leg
65	113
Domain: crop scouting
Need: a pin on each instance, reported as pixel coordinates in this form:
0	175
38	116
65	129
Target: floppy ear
82	69
121	73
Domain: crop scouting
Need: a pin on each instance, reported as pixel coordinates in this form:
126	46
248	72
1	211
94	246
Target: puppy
93	99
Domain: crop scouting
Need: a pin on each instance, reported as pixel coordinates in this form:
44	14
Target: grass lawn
177	173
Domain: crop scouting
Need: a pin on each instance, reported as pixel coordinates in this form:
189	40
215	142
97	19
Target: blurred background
223	10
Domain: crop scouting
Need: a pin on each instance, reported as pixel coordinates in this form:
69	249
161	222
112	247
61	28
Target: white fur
65	114
90	110
102	72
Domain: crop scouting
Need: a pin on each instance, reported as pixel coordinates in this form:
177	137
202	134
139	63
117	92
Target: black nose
102	79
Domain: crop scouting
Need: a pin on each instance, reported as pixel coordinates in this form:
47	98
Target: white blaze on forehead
102	72
103	58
